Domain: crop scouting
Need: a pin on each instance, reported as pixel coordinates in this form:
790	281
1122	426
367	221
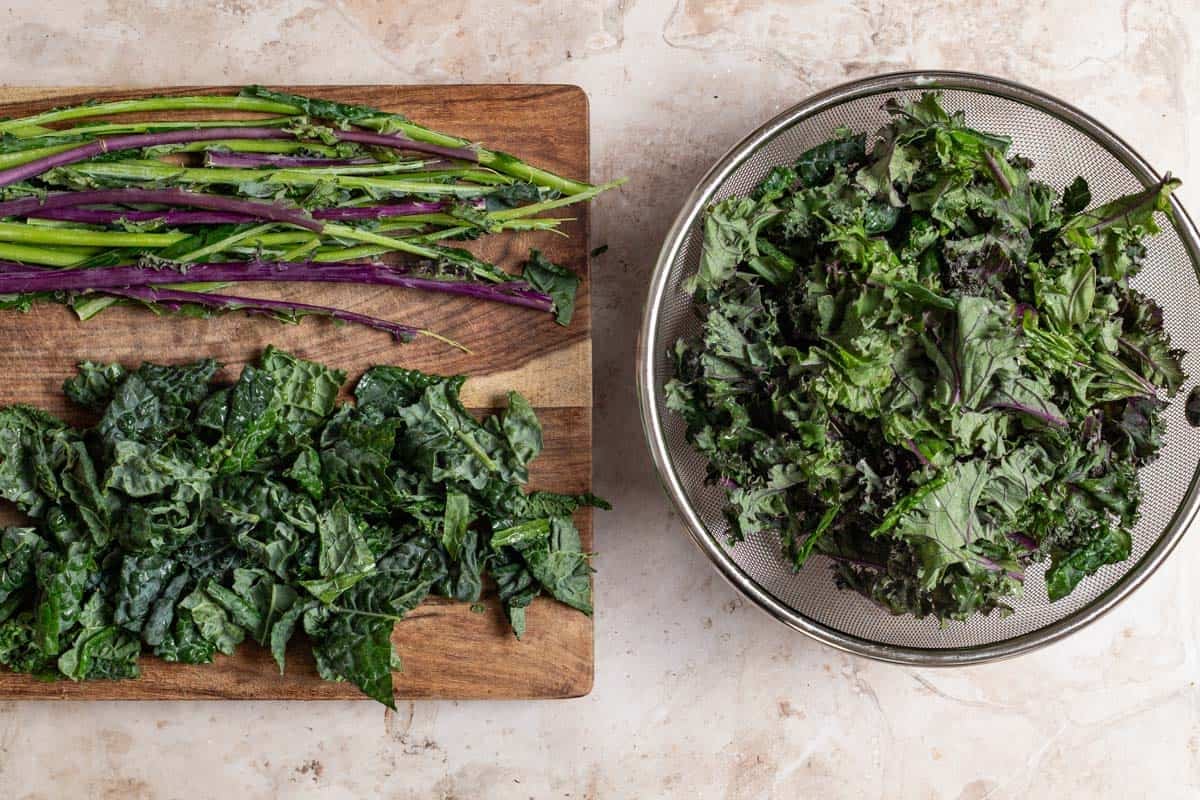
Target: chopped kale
194	516
922	363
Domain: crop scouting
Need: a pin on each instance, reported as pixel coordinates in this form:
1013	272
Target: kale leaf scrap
920	362
194	516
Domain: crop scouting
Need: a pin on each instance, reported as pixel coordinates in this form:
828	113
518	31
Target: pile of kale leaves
195	515
920	362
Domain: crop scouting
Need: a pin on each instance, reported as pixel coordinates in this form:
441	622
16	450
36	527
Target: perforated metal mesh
1062	145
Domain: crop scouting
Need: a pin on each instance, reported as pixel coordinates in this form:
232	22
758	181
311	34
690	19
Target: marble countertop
696	694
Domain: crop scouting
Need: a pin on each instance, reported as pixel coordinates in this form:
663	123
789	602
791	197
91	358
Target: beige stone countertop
697	695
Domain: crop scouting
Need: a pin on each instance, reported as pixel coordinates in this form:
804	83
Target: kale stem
37	234
372	614
46	256
350	253
997	173
367	237
253	209
271	146
301	250
21	279
143	105
88	306
546	205
283	237
175	298
475	449
222	245
19	157
157	171
501	162
108	128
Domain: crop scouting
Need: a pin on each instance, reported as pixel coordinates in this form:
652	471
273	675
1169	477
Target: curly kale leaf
922	364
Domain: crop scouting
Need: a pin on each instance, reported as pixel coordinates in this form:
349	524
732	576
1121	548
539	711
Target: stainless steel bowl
1063	142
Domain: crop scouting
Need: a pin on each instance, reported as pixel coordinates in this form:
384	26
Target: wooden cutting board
448	650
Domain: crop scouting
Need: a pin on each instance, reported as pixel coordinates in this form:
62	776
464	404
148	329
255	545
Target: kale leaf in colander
921	362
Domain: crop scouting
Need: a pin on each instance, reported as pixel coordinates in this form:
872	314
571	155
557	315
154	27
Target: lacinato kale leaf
923	364
194	516
558	282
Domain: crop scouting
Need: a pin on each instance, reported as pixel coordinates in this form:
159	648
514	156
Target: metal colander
1063	143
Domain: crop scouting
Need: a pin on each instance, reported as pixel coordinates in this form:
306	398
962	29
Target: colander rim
650	350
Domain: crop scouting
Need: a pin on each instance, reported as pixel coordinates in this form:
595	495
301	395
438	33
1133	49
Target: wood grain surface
448	650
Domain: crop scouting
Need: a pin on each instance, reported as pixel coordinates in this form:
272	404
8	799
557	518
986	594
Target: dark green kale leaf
19	552
95	384
251	419
816	165
1107	544
34	449
143	582
62	579
344	560
442	438
389	389
558	282
355	648
266	608
100	650
307	390
1076	197
553	555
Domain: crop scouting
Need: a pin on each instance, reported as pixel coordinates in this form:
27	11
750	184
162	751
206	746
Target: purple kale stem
252	209
221	158
1128	345
1025	541
397	142
1044	416
19	279
858	562
101	216
174	299
136	141
375	212
992	566
916	451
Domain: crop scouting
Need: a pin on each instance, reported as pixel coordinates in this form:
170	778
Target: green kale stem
501	162
222	245
39	234
547	205
150	126
462	258
148	104
18	157
412	170
58	256
157	171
